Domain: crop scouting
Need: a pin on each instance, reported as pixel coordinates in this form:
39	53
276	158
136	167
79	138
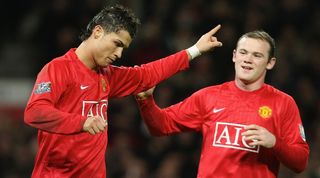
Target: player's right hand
94	125
208	41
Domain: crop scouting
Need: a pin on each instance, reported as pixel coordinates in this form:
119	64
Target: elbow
304	161
159	130
302	167
299	169
30	115
154	129
301	164
156	133
27	118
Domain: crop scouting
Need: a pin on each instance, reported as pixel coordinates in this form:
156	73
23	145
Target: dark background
35	31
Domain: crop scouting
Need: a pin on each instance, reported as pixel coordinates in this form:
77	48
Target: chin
105	64
244	77
245	80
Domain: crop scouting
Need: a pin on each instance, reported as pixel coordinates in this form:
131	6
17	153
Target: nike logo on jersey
216	110
83	87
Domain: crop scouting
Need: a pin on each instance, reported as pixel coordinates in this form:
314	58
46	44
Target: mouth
112	60
246	68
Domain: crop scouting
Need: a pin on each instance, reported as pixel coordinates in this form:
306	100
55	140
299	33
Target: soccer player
69	101
248	127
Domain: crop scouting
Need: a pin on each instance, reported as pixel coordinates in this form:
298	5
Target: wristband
193	51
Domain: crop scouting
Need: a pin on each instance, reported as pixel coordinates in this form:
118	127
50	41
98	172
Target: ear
97	32
234	55
271	63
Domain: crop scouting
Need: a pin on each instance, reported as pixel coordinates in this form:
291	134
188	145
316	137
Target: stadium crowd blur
35	31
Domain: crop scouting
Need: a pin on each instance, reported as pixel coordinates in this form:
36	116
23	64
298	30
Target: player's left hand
259	136
145	94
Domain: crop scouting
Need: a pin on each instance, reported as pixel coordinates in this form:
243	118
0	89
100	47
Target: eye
118	43
257	55
242	52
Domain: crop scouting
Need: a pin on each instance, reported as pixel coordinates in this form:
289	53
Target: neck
248	86
84	54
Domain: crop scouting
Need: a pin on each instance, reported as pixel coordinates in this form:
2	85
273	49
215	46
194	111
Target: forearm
291	148
162	69
294	156
44	116
155	118
125	81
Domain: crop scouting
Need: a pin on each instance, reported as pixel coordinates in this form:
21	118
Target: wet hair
113	19
264	36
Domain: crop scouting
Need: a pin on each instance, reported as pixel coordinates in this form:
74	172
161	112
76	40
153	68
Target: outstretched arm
181	117
125	81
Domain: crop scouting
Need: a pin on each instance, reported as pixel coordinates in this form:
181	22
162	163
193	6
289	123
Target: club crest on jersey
43	87
228	135
302	134
265	112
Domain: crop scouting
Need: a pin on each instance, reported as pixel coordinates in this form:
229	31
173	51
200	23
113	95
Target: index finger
214	30
252	126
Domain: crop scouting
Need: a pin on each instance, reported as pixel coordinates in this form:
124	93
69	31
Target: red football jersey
66	92
220	114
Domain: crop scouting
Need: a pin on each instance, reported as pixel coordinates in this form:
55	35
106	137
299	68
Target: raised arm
132	80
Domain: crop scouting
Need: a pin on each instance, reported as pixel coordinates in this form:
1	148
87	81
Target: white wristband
193	51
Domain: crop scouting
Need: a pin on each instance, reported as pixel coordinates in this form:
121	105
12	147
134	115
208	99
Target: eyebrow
241	49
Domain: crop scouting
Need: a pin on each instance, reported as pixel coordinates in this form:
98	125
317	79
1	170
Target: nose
118	52
248	59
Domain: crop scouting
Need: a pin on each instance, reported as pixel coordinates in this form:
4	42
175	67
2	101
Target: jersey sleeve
291	147
125	81
181	117
41	112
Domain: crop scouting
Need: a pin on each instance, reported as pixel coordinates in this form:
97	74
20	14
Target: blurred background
35	31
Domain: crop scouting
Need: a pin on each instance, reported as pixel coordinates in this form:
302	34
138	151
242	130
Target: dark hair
113	19
264	36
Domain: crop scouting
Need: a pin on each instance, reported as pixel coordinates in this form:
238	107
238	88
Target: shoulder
218	88
212	90
65	61
60	65
278	94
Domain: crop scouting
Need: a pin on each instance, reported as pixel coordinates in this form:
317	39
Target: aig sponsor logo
94	108
228	135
